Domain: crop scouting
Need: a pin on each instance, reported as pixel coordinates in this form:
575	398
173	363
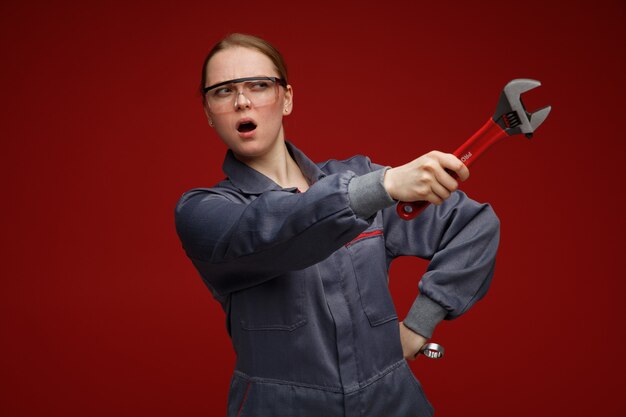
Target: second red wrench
510	118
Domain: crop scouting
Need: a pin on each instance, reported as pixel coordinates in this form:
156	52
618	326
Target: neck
279	166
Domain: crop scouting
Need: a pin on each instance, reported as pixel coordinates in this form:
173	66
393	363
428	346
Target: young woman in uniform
298	252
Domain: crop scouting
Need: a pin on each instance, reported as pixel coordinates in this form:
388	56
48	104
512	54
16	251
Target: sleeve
460	239
236	245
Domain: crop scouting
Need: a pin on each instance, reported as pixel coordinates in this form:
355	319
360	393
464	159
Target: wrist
388	182
411	342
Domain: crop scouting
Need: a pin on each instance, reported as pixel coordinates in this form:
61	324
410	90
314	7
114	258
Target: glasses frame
276	80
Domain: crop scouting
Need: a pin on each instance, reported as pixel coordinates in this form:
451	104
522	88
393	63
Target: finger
454	164
463	173
434	199
445	179
440	191
440	165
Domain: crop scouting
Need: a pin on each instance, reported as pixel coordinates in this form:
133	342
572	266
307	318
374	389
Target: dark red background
102	130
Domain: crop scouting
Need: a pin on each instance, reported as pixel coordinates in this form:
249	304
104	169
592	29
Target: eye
260	85
225	91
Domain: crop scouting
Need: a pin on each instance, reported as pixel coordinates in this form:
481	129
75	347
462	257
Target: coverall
303	280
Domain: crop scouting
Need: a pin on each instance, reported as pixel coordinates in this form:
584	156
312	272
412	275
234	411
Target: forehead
238	62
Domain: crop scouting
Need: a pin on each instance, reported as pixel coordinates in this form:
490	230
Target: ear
209	117
288	102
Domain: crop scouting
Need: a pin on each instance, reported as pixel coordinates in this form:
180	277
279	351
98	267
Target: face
250	131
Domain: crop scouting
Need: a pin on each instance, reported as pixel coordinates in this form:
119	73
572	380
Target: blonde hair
246	41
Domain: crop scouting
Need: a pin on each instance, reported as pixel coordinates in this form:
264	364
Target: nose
241	101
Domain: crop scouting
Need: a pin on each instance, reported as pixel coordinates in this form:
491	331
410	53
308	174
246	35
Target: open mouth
246	127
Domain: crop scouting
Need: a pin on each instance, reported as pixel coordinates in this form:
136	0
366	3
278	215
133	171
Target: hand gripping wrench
510	118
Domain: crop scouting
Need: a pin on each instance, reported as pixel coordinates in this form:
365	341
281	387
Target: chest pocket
277	304
370	267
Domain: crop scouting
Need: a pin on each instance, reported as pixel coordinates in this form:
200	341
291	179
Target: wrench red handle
475	146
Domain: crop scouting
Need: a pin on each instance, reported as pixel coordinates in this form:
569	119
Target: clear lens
258	93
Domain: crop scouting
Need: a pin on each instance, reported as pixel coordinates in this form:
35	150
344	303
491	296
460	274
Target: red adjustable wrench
510	118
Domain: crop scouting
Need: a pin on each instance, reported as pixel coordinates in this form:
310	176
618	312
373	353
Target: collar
251	181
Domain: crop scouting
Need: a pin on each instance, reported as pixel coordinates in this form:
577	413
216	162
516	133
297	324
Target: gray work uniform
302	278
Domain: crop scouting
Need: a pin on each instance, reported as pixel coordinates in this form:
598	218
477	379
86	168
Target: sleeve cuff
424	315
368	195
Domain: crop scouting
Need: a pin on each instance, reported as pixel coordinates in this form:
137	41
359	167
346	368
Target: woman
297	253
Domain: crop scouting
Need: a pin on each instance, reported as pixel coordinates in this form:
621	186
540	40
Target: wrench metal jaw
537	117
511	114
